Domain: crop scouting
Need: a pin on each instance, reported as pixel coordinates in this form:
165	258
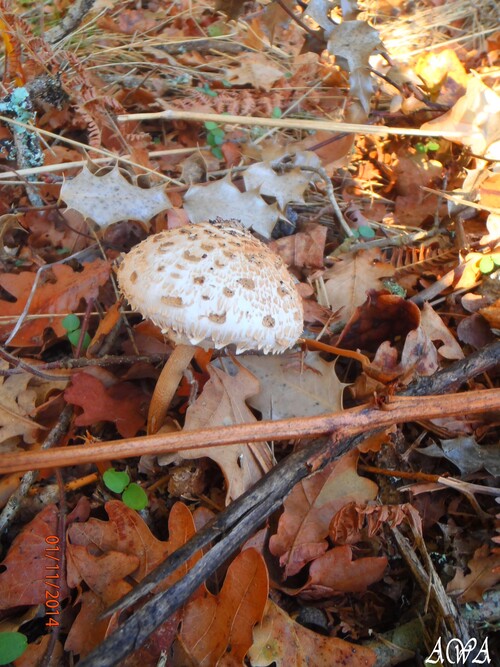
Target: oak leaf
217	629
59	290
308	510
221	403
280	640
484	573
348	280
294	385
122	403
222	199
17	401
112	198
255	69
24	576
436	330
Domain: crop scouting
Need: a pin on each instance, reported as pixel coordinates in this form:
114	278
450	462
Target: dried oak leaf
294	385
222	199
484	574
103	553
112	198
353	42
436	330
280	640
336	572
24	576
217	629
222	402
255	69
59	290
348	280
122	403
308	510
305	249
16	403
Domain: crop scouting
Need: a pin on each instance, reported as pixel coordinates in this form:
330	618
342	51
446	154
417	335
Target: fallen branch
346	424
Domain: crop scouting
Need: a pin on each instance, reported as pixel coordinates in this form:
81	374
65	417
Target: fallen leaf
123	403
221	403
305	249
353	522
436	330
17	401
336	572
466	454
222	199
294	385
217	629
255	69
59	290
23	580
348	280
319	11
308	510
112	198
280	640
484	573
353	42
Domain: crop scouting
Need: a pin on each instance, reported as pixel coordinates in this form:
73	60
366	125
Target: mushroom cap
214	284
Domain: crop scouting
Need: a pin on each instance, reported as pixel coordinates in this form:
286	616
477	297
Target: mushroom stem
167	385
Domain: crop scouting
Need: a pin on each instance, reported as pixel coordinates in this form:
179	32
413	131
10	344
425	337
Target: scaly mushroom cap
214	284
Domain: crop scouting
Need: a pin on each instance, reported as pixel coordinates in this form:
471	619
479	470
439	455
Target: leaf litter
406	284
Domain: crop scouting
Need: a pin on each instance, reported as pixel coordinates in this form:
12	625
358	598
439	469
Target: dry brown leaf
484	573
309	508
336	572
221	403
112	198
294	385
285	187
280	640
476	116
59	291
435	67
16	403
353	42
255	69
305	249
217	629
222	199
436	330
348	281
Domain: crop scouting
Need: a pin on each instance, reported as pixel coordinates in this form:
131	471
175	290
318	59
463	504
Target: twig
24	367
284	123
347	423
70	21
82	362
13	504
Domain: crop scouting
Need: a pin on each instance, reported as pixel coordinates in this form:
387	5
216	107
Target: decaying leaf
466	454
484	573
337	572
294	385
59	290
319	11
353	42
217	629
221	403
309	508
222	199
282	641
112	198
354	522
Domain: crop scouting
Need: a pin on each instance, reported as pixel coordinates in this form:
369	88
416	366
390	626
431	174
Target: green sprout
215	138
425	148
12	646
133	495
489	263
72	325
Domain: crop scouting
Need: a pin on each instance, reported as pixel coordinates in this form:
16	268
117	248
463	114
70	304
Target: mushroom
211	284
